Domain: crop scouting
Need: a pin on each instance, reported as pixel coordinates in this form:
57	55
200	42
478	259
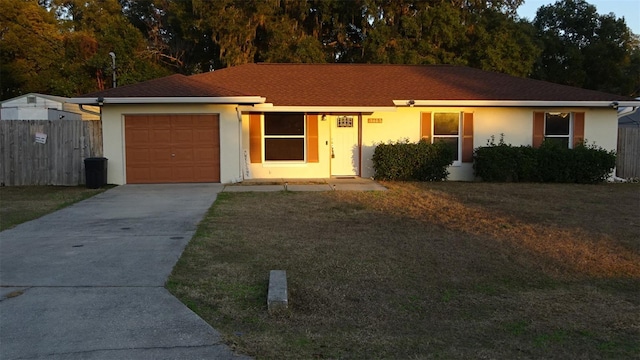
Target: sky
629	9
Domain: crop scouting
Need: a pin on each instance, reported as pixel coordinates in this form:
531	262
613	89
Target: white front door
345	153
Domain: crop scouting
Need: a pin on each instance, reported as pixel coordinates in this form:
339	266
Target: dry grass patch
23	203
437	270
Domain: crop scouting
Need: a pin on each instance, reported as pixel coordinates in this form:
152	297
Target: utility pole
113	67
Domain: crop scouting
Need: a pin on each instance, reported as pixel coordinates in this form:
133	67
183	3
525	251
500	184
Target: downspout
80	106
240	147
629	113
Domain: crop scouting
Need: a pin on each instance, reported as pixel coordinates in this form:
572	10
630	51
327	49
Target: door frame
358	122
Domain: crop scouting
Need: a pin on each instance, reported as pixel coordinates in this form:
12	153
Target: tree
499	43
199	35
92	30
62	47
584	49
481	34
30	49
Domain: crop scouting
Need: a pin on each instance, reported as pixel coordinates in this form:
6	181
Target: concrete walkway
87	282
338	184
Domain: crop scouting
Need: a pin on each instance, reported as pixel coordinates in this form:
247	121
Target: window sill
284	163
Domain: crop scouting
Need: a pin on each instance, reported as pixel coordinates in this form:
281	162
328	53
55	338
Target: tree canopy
61	47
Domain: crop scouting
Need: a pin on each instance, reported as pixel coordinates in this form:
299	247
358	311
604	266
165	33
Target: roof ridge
348	84
349	64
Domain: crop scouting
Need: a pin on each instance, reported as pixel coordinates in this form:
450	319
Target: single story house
34	106
324	120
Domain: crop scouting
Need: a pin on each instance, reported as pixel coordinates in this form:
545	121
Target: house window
446	127
345	121
284	137
557	128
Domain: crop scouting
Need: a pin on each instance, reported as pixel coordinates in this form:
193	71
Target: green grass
19	204
434	270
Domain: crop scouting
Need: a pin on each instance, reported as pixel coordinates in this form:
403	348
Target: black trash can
95	170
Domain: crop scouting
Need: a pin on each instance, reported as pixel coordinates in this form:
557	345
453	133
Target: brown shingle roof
170	86
357	85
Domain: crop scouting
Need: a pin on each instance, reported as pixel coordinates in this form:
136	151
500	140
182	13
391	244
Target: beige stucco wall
515	123
601	128
113	136
402	124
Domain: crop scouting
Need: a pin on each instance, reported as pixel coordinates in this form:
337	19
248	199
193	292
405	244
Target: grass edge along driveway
425	270
20	204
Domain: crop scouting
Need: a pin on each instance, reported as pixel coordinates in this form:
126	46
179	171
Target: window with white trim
284	137
558	128
446	127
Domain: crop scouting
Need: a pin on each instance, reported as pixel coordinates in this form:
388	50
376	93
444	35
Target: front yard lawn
425	270
23	203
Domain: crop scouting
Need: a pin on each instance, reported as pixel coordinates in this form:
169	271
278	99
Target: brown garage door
172	148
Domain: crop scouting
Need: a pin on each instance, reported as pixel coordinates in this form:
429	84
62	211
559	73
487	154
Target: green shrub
503	162
551	162
592	164
495	162
406	161
527	164
554	162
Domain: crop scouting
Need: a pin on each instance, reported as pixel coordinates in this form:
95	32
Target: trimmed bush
552	162
592	164
505	163
527	164
406	161
495	162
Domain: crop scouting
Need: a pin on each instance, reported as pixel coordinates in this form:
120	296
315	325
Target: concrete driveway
87	282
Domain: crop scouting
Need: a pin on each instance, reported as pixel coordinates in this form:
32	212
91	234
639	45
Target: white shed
34	106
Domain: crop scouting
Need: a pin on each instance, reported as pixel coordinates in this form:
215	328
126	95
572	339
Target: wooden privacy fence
628	161
47	152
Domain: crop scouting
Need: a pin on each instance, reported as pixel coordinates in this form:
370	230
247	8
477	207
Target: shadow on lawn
572	248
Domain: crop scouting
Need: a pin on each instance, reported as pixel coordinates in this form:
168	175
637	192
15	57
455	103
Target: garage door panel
160	136
182	121
182	136
159	121
203	173
183	173
205	155
137	156
183	156
160	156
204	136
137	121
172	148
141	173
160	174
138	136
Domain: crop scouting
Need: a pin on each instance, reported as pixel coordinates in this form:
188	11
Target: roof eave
60	99
515	103
170	100
269	107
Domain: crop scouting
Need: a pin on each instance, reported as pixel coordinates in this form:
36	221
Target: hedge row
406	161
551	162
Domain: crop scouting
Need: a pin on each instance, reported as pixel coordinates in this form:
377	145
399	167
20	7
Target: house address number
374	120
